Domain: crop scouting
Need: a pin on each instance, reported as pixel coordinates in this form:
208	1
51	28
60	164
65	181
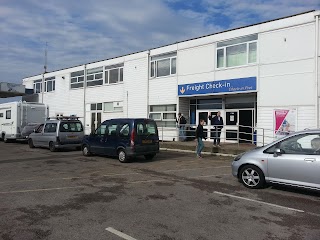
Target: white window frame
35	83
155	67
53	81
113	107
77	82
94	74
162	119
232	45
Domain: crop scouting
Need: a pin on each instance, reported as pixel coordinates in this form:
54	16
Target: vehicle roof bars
60	117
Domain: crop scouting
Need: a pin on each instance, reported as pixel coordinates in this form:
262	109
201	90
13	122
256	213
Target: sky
81	31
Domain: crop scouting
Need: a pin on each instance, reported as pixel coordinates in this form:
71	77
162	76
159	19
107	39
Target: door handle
309	159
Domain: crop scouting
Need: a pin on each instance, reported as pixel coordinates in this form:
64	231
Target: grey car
58	133
293	160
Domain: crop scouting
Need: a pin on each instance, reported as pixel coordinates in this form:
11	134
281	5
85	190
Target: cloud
79	31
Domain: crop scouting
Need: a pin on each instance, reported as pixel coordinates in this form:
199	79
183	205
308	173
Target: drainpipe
316	72
84	96
42	88
148	88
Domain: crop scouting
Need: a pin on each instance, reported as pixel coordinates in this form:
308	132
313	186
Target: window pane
106	77
121	74
114	75
99	106
8	114
74	80
169	116
171	107
77	85
252	52
236	55
155	116
80	79
238	40
220	58
93	106
158	108
98	76
49	86
163	68
152	72
101	130
89	77
112	130
124	130
169	124
173	66
108	107
95	83
79	73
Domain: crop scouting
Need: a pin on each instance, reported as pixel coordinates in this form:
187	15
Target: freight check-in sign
248	84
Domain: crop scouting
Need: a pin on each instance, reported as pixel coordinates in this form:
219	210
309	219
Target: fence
229	134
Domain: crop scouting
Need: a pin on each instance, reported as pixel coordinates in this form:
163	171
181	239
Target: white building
247	73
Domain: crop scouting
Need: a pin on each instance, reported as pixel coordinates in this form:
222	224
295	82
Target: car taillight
132	138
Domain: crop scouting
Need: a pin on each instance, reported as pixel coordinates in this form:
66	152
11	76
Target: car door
97	139
297	163
111	140
36	135
49	134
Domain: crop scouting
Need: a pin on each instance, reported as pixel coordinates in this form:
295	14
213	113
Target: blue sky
79	31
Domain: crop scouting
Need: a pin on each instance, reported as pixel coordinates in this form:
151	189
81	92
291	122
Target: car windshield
71	127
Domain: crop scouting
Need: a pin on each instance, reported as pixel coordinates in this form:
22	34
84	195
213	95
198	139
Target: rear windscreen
147	128
71	127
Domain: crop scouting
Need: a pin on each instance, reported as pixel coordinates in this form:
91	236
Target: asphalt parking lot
63	195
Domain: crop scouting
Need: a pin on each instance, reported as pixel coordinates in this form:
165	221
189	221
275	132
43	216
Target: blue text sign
222	86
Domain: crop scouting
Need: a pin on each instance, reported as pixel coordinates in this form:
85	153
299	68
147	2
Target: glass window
220	58
155	116
121	74
114	75
50	128
37	86
112	130
163	67
93	106
252	52
71	127
1	115
169	116
99	106
106	77
173	65
113	106
152	70
165	115
101	130
236	55
108	107
50	84
124	130
146	128
8	114
76	79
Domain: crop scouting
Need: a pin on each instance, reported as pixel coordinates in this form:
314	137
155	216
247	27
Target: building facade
262	78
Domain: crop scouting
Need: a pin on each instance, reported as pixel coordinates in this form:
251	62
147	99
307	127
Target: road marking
120	234
260	202
40	190
190	169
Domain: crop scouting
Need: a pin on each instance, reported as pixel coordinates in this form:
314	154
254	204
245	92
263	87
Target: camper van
14	116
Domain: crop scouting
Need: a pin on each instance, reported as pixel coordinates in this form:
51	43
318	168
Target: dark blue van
123	137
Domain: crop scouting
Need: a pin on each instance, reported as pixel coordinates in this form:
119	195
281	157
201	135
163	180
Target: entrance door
95	120
246	119
208	127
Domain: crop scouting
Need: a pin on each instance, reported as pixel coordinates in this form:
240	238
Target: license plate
72	137
146	141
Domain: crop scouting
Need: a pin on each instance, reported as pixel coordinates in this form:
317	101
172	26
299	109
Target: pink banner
280	116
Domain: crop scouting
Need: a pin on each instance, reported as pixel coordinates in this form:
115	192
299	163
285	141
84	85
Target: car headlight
237	158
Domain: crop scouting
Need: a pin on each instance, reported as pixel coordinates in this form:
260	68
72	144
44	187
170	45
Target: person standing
217	122
199	137
181	121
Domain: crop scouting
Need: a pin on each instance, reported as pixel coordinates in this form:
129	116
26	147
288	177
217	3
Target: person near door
181	121
199	137
217	122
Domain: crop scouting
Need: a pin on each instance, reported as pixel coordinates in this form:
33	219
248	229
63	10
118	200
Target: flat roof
182	41
8	90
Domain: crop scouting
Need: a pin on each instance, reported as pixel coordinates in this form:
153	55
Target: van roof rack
59	117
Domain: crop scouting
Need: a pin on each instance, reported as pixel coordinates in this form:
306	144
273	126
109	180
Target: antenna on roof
45	57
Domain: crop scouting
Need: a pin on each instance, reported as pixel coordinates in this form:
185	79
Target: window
95	76
304	144
71	127
101	130
112	129
37	86
96	107
113	106
50	128
237	52
164	115
113	74
50	84
163	65
1	115
77	79
146	128
8	114
124	130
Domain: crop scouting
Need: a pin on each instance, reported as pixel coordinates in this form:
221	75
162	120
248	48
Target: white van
14	116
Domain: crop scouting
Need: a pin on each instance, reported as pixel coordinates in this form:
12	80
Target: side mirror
278	152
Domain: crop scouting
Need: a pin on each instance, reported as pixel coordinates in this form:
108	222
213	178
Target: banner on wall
285	121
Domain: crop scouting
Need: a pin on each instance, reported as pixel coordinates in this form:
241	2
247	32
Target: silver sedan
293	160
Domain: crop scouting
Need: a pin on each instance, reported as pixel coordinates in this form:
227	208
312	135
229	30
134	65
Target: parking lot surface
64	195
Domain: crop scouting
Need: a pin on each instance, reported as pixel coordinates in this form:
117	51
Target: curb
205	153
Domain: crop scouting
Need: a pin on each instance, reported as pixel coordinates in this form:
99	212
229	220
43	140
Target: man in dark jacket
217	122
199	137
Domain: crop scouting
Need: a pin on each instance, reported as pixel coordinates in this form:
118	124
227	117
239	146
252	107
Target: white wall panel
196	60
163	91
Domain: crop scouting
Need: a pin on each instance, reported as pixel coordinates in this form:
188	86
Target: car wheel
122	156
149	156
86	151
30	142
252	177
52	147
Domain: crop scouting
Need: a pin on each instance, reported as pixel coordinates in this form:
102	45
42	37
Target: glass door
231	128
95	120
208	127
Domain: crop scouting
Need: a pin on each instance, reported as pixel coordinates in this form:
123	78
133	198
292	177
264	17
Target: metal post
238	140
162	132
262	136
